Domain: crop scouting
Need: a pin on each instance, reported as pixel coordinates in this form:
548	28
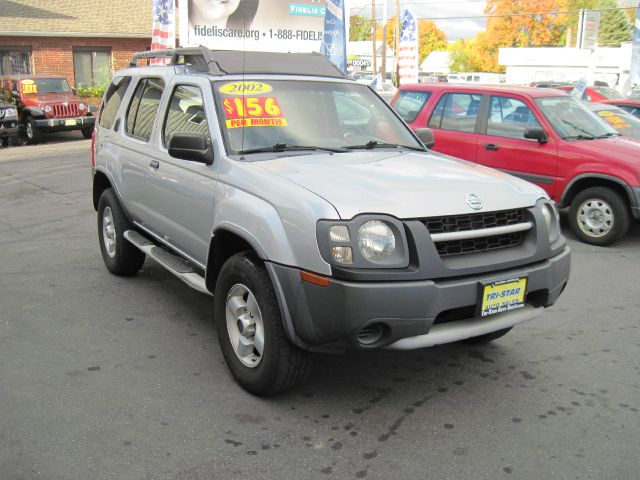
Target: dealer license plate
503	296
70	122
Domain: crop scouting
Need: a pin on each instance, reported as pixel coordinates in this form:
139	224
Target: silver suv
312	213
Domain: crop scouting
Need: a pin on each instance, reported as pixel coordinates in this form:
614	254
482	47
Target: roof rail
198	57
232	62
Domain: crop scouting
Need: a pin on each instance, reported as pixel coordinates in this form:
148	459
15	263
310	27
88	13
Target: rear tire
31	132
488	337
119	255
599	216
250	329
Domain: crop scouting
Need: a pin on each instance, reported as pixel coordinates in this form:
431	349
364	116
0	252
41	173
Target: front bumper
329	318
60	124
9	127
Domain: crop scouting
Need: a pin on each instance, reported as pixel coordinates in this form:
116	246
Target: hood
49	98
615	150
405	185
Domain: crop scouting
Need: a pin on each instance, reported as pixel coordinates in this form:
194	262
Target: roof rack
233	62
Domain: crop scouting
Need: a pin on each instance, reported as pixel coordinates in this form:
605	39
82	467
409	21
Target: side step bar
174	264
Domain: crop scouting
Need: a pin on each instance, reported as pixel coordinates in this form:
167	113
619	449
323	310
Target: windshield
45	85
280	115
608	93
623	122
572	120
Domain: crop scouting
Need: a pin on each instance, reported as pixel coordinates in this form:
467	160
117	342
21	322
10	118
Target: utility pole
397	42
384	41
375	29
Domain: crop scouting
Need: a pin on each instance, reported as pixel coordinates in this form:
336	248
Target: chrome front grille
65	111
477	232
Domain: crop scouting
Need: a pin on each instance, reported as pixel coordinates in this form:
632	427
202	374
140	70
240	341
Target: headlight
8	113
365	241
376	241
551	218
47	109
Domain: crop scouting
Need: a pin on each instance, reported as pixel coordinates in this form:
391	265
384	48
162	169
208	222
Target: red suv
541	135
47	104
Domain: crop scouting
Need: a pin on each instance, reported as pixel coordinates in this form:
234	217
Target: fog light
342	255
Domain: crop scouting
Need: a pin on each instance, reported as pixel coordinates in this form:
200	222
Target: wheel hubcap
245	326
29	130
109	232
595	217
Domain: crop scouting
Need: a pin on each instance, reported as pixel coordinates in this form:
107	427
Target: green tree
462	56
615	26
360	28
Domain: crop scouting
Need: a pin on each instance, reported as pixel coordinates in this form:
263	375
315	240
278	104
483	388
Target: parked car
47	104
549	84
8	123
628	104
595	93
543	136
622	121
317	227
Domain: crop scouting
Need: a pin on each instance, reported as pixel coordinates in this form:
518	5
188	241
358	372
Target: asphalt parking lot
110	378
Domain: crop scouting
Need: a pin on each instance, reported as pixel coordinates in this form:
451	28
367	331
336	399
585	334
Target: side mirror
426	135
190	146
536	133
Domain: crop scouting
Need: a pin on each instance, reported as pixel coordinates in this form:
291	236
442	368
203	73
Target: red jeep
542	135
47	104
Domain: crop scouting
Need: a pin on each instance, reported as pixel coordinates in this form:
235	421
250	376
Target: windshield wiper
587	134
579	137
375	144
282	147
608	135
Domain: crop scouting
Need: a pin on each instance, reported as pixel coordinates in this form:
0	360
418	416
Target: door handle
491	146
117	125
154	164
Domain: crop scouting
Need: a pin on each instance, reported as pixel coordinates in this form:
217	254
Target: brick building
84	40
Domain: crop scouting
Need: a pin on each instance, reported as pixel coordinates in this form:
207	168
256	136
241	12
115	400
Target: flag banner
262	25
634	72
334	43
408	49
164	26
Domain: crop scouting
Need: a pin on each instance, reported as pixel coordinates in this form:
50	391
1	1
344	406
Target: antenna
244	55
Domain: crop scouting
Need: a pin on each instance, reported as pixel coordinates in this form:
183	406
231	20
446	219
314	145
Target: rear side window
186	114
112	100
456	111
143	108
409	103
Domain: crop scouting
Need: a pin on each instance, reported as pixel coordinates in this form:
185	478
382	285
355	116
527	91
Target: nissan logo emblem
474	201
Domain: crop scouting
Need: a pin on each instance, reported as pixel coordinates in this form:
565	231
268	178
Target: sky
439	11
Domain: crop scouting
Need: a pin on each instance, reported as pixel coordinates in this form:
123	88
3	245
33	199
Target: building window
15	60
91	66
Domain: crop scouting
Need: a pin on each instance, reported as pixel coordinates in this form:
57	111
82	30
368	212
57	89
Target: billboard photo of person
222	13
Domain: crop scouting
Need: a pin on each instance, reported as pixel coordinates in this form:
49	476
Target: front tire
599	216
250	329
32	133
119	255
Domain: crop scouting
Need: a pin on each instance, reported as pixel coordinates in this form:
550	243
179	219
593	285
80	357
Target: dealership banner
334	43
408	49
634	73
262	25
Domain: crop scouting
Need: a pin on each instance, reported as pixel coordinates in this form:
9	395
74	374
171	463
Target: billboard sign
263	25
